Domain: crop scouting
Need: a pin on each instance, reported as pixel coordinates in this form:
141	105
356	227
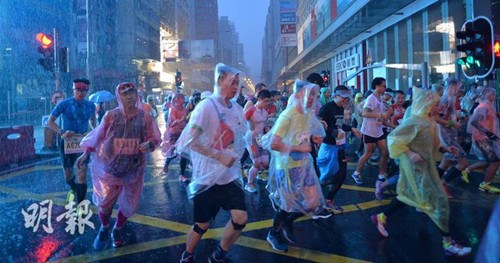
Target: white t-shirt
373	126
206	116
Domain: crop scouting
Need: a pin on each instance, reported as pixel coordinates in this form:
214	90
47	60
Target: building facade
357	40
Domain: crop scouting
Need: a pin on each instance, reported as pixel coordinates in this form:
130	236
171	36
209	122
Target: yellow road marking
253	243
358	188
128	250
295	252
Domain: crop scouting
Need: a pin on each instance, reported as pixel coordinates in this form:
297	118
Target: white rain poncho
483	124
293	184
117	162
215	132
419	184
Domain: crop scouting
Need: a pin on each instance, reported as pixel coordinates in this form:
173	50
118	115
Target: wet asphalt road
157	232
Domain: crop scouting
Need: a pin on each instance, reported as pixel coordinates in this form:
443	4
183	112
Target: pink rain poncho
214	132
177	120
293	184
117	164
419	184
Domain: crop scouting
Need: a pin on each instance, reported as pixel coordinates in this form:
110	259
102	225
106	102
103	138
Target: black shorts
369	139
207	204
69	160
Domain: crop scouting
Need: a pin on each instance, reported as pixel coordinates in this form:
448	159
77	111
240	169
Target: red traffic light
496	48
46	40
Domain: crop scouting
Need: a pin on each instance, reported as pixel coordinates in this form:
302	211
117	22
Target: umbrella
101	96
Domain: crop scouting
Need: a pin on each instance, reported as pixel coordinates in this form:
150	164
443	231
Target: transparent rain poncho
117	162
293	184
213	135
449	134
177	120
482	123
419	184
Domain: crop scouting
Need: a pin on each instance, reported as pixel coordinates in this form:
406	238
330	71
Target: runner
78	117
177	120
416	144
119	147
485	132
214	140
256	116
293	185
332	160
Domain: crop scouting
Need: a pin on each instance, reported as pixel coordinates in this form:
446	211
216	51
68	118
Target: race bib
340	140
72	145
125	146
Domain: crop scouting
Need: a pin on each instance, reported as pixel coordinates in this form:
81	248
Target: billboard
197	49
169	50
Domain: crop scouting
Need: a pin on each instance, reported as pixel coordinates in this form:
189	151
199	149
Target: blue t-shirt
75	114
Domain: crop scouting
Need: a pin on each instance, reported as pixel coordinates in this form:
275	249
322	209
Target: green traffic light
470	60
478	63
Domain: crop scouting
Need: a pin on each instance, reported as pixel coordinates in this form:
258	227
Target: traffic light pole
57	80
50	138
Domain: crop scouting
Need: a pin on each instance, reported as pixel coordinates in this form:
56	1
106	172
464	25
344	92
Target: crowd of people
297	145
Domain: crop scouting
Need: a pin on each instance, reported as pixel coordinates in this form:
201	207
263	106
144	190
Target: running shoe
357	178
379	222
70	197
465	176
276	241
117	237
488	188
332	208
323	214
186	259
251	188
455	249
379	190
215	258
101	238
183	178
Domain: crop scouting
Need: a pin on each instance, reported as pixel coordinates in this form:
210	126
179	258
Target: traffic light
468	38
484	47
325	74
47	50
63	57
496	52
477	44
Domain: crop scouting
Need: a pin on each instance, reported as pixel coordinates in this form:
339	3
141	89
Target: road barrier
16	144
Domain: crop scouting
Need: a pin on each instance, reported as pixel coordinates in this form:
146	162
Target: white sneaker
455	249
251	188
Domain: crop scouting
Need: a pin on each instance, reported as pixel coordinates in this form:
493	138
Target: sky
249	18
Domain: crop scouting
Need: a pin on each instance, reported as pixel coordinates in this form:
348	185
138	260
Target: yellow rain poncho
419	184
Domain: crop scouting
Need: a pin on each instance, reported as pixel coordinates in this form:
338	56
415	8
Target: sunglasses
126	86
80	90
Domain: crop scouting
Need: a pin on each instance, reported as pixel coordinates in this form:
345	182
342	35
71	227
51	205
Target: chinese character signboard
288	27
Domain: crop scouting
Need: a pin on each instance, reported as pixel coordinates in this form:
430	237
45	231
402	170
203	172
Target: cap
342	91
324	89
389	92
205	94
126	86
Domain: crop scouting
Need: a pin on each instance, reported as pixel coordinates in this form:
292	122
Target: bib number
72	145
125	146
